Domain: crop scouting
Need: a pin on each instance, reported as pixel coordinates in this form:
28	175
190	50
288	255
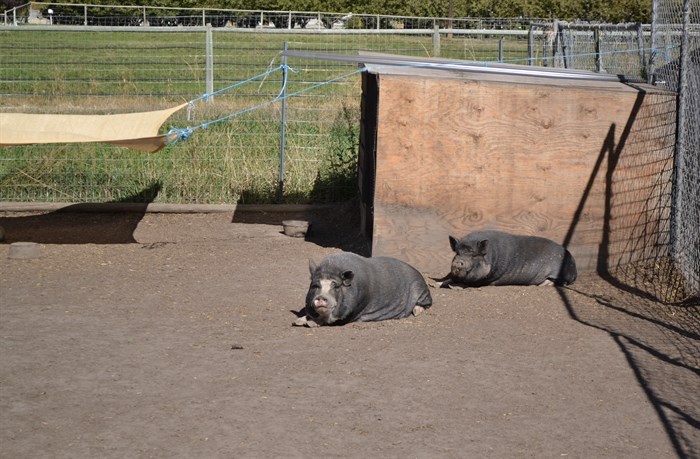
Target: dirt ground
166	335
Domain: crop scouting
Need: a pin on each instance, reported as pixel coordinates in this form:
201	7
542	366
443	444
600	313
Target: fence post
85	21
500	49
598	55
548	39
209	64
283	125
436	40
640	46
557	37
652	53
530	45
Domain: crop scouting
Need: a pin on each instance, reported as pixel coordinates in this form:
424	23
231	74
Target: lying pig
498	258
346	287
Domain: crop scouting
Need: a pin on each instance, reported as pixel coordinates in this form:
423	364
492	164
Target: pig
347	287
499	258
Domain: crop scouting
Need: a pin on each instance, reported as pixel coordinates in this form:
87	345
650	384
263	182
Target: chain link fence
676	65
664	260
621	49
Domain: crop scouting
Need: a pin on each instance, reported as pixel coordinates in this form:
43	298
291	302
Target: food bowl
24	250
295	228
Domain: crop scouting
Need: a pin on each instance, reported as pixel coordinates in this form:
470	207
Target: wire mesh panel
620	49
102	70
676	66
668	54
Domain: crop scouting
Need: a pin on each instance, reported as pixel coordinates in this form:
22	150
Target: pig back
524	260
384	288
393	289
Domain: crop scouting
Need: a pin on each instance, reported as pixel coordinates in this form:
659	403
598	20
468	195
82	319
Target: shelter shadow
331	225
85	223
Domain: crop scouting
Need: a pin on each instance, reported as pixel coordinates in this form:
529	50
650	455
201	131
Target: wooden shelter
449	147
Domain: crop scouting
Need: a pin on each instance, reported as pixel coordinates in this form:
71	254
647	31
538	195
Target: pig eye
315	285
335	285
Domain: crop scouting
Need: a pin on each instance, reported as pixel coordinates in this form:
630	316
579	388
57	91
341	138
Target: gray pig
346	287
498	258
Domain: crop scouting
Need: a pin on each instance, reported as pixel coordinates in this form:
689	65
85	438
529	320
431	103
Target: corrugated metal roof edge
375	61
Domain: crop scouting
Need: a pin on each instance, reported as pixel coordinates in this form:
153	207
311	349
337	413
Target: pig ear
347	277
454	243
482	247
312	266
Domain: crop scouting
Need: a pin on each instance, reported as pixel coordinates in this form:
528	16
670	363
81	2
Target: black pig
346	287
498	258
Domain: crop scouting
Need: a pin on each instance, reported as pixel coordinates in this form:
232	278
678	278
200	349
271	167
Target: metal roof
375	62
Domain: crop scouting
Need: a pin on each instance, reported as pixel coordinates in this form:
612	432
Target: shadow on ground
661	344
81	224
331	225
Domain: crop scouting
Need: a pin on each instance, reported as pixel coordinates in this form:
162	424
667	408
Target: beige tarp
132	130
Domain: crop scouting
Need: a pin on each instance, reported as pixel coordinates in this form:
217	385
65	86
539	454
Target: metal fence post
209	64
283	124
436	41
652	52
556	36
500	49
598	50
640	46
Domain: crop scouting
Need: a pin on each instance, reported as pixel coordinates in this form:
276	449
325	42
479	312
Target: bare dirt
169	336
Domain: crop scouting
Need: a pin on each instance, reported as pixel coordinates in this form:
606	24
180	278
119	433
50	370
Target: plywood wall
458	152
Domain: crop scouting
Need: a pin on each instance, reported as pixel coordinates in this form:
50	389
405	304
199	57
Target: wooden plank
460	154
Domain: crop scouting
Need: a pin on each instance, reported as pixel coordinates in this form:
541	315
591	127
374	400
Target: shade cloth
133	130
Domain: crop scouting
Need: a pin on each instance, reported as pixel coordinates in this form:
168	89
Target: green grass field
231	161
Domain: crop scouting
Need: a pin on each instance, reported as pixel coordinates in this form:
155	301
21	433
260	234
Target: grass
233	161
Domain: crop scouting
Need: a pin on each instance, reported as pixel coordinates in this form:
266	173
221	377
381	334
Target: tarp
133	130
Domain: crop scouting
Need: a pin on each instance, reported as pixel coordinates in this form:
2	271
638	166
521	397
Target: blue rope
175	135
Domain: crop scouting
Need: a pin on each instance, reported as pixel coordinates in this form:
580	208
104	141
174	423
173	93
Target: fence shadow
636	296
661	344
82	223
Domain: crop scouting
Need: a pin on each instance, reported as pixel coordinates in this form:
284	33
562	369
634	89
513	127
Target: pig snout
459	266
322	306
320	302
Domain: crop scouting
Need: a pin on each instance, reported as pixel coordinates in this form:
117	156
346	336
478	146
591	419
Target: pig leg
444	282
305	321
545	283
417	310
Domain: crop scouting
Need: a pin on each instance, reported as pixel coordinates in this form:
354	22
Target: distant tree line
568	10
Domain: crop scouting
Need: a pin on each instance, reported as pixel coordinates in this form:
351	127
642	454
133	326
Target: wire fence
676	28
67	69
